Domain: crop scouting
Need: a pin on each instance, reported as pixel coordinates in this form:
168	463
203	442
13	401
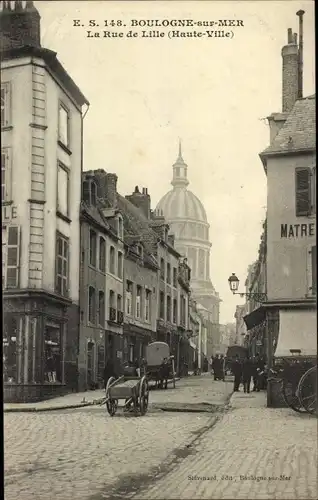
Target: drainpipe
200	343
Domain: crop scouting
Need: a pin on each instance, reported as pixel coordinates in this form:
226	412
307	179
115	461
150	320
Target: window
304	183
64	125
112	260
183	311
5	105
91	305
53	353
147	305
162	306
120	228
90	192
62	189
92	248
120	265
112	306
168	308
128	298
312	270
102	254
168	273
101	309
162	269
9	347
119	302
11	254
138	301
175	311
62	260
175	277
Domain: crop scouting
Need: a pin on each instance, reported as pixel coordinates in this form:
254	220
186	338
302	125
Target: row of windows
98	255
165	273
172	309
63	115
138	302
96	307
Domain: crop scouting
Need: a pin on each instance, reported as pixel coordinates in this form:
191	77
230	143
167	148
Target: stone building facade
101	283
41	132
290	167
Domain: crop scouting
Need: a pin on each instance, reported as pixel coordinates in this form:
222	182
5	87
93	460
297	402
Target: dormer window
90	192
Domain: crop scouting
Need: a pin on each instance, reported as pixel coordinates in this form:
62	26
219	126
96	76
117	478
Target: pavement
241	450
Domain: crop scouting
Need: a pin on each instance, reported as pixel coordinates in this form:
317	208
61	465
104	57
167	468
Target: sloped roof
299	131
136	226
95	214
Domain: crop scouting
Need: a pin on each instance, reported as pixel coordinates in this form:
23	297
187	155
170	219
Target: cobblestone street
85	454
80	453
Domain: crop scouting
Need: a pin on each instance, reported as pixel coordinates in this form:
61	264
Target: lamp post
234	284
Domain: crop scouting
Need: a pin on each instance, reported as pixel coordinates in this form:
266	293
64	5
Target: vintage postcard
159	276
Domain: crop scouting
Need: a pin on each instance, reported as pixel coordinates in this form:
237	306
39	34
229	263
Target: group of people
218	367
247	369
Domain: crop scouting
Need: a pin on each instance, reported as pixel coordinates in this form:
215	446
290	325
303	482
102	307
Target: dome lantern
180	176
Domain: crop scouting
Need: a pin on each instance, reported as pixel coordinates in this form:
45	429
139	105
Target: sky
213	93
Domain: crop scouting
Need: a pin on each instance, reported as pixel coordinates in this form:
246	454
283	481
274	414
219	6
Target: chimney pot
289	35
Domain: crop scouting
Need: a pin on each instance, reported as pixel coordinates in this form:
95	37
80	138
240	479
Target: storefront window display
53	353
10	337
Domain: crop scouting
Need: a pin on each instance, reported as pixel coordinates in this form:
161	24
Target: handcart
134	390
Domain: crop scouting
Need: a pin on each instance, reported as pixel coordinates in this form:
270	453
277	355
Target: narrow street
85	454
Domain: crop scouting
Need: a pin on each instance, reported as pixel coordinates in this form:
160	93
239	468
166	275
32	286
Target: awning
255	318
297	330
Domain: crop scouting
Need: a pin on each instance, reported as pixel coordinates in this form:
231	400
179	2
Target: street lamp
234	284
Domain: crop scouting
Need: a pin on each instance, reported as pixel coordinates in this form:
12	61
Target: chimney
106	186
290	72
300	14
141	200
19	25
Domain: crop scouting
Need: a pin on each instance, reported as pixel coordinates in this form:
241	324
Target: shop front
136	340
39	348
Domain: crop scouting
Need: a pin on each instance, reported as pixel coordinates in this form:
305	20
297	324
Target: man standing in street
237	372
247	372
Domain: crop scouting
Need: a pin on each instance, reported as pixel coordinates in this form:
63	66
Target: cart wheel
307	390
111	404
291	397
143	395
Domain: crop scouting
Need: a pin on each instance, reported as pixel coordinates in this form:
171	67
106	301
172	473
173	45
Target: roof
136	227
298	132
180	203
49	56
94	214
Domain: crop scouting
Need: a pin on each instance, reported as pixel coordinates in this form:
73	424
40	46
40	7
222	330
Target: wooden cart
134	390
156	354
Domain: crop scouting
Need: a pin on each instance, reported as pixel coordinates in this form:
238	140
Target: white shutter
13	257
5	104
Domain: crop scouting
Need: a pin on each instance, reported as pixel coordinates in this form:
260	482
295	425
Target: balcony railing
120	317
112	314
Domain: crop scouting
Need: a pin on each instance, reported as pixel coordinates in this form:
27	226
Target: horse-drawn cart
134	390
160	364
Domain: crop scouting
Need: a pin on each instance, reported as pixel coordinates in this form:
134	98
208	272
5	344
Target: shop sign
259	342
8	212
119	354
297	230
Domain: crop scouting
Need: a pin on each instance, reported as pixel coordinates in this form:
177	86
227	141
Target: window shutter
302	191
13	257
314	270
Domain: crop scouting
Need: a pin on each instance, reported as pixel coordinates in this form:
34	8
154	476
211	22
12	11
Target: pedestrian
211	365
108	371
256	370
195	367
237	372
247	372
137	367
222	368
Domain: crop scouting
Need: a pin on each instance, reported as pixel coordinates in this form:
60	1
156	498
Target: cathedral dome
180	203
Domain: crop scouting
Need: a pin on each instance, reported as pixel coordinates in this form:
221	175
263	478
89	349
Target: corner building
41	162
187	219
